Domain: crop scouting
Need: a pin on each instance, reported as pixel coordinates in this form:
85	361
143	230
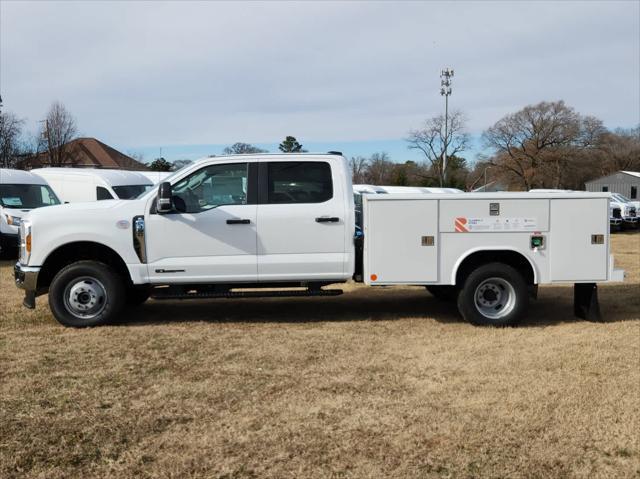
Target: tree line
546	145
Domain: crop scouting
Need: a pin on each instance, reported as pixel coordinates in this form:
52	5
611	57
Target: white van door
301	222
211	235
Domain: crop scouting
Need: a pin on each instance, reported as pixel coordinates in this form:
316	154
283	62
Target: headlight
25	242
13	220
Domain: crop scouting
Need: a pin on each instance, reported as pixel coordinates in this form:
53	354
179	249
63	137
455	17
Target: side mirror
163	204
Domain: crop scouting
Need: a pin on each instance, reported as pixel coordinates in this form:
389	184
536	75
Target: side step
173	294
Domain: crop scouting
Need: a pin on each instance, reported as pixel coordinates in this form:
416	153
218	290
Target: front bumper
630	220
26	277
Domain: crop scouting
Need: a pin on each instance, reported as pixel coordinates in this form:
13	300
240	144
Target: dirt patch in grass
377	382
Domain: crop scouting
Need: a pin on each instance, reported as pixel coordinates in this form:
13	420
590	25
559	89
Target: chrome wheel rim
495	298
85	297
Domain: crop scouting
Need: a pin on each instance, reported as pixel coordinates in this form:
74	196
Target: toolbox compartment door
573	253
401	241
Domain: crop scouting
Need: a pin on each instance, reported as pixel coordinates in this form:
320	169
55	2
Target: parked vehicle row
22	191
625	211
622	211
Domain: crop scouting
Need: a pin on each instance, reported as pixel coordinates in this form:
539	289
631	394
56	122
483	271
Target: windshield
622	198
129	192
23	196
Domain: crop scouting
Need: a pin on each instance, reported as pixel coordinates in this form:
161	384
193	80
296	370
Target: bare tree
359	166
58	130
10	133
535	145
619	150
379	170
242	149
430	140
136	155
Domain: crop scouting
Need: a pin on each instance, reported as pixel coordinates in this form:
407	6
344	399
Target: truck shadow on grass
554	306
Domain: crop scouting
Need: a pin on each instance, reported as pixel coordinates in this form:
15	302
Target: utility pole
445	90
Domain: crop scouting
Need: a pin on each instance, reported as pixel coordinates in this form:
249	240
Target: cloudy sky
193	76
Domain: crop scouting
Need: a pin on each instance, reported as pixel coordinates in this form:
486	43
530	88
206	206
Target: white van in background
156	176
90	184
20	192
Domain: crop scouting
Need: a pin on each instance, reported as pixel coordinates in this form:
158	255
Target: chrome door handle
327	219
238	221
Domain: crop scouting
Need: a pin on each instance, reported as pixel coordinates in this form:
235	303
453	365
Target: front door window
210	187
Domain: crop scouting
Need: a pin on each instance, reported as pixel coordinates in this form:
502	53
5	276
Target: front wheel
86	293
494	295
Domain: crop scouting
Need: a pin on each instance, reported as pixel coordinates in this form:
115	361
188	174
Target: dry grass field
375	383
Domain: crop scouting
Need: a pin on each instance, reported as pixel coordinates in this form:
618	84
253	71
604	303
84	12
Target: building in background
626	183
86	153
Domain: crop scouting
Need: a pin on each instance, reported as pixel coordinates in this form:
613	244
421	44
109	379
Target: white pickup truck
265	225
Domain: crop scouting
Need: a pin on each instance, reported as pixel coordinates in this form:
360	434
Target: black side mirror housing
164	203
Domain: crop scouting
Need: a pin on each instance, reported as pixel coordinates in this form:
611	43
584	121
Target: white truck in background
20	192
628	210
259	225
94	184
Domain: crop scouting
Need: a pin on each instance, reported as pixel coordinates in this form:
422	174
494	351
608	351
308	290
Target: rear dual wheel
494	294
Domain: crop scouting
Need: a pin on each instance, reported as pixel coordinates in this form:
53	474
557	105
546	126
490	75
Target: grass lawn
374	383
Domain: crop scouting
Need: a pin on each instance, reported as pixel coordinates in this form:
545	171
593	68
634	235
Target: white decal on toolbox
464	225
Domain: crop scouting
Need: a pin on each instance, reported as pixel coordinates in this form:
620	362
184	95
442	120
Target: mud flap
29	299
585	301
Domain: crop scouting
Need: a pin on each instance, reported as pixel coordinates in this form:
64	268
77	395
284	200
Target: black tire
448	293
86	293
494	294
136	295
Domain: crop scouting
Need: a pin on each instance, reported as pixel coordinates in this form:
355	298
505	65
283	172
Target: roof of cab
272	156
20	177
112	177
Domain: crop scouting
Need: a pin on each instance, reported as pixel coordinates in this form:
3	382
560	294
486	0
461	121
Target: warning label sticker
494	223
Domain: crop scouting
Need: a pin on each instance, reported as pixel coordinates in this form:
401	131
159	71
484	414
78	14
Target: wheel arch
76	251
479	256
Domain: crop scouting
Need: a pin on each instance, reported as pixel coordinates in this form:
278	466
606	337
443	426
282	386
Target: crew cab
284	225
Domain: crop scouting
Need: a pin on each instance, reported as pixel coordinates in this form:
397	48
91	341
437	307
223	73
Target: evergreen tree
160	164
291	145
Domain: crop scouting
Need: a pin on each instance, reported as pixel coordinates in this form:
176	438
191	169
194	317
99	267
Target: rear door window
299	182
